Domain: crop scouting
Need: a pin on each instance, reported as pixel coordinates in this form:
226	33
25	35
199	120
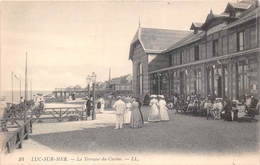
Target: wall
139	55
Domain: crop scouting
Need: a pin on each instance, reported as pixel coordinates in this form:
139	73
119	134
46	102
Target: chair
250	112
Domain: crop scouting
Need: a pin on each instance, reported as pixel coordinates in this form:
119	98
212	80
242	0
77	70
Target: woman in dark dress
136	117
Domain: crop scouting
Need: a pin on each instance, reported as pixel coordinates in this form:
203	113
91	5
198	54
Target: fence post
60	114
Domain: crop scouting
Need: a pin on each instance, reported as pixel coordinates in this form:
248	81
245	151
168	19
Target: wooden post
60	116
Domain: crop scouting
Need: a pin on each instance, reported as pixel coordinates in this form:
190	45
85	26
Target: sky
66	41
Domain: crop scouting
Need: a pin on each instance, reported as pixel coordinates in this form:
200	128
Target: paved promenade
182	140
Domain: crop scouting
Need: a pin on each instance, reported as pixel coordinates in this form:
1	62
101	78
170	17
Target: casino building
219	57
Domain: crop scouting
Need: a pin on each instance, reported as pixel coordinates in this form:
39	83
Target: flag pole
20	89
25	105
31	87
12	88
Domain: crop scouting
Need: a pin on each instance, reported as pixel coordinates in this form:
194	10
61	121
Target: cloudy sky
66	41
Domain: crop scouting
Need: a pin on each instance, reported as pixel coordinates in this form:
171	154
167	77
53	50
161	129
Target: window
140	78
170	60
242	79
240	41
181	58
196	53
215	48
232	14
197	85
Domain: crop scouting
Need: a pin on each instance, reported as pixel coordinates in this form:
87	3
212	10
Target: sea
16	95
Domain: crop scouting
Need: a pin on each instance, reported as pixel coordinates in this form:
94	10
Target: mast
25	105
20	89
109	78
31	87
12	88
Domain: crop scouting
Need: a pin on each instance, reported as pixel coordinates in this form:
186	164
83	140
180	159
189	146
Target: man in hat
120	108
89	105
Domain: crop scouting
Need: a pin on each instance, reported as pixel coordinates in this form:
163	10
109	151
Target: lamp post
88	82
93	78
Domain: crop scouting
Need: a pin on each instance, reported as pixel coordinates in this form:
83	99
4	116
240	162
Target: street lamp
88	82
93	78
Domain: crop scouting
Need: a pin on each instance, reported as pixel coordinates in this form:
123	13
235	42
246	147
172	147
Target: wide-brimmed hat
161	96
118	97
153	96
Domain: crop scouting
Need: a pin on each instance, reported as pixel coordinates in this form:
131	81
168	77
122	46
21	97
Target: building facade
146	54
220	57
123	83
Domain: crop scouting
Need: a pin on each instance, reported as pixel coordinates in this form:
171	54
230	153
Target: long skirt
154	114
164	114
136	119
127	116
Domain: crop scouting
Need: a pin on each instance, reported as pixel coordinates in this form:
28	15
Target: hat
118	97
154	96
161	96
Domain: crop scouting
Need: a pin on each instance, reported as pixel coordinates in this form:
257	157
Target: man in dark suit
89	105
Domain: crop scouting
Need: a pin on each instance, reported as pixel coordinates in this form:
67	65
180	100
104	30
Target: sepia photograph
129	82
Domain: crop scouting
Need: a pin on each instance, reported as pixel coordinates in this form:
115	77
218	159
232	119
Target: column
170	83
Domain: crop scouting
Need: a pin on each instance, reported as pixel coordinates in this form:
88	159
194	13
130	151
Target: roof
244	17
211	17
241	6
187	40
156	40
77	86
195	25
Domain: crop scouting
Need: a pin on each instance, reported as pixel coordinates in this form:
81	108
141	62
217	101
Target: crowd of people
128	110
215	107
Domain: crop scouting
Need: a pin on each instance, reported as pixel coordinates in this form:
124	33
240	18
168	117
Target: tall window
170	60
181	58
140	78
210	80
196	53
215	48
198	82
241	41
242	79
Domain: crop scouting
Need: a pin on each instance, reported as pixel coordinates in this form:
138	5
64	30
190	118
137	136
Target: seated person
248	101
191	103
215	109
241	111
170	104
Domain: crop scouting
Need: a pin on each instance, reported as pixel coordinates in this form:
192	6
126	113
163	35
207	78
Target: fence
13	139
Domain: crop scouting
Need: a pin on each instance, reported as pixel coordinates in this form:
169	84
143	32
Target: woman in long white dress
154	113
102	104
127	115
163	109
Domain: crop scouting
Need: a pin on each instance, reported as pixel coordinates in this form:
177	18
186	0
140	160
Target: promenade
182	140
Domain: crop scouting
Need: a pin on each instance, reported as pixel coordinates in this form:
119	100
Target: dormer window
232	14
195	27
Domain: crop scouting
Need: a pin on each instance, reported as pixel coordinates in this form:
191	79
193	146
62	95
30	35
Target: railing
59	113
11	140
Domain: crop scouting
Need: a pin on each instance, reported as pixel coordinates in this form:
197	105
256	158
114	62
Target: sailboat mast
25	105
12	88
